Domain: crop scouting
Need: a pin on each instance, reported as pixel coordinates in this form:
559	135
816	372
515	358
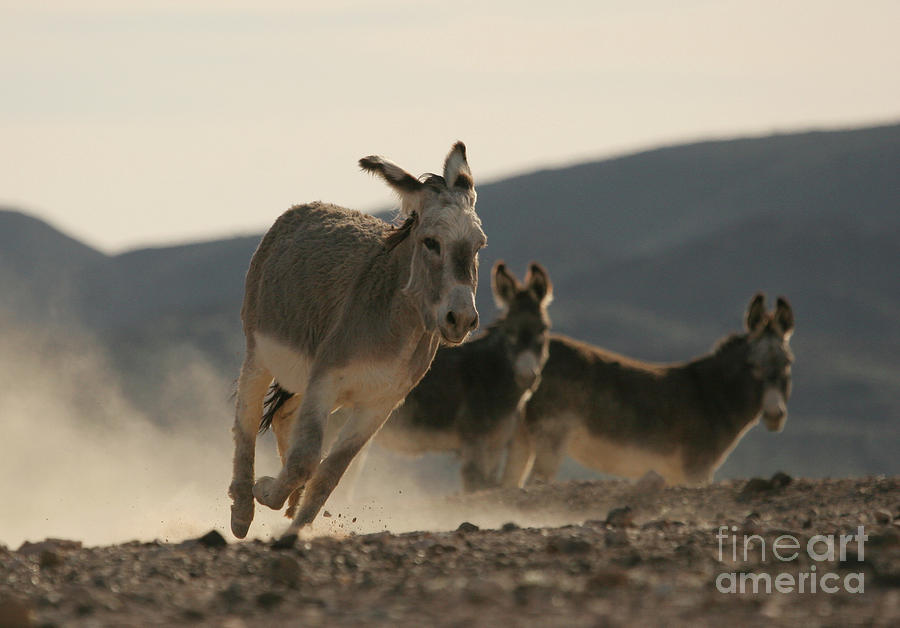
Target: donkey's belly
365	383
623	459
289	367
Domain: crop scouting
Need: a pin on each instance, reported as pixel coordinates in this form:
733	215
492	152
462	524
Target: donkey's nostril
451	318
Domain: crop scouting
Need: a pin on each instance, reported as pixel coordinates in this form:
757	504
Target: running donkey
621	416
346	312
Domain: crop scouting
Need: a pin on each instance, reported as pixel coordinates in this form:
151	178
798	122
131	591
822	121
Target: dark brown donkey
473	396
621	416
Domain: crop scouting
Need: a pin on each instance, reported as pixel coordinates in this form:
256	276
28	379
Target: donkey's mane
729	342
432	180
399	233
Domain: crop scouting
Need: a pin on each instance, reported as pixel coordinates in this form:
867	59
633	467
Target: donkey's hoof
264	491
241	518
286	541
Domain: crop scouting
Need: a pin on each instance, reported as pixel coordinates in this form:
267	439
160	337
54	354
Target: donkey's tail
275	398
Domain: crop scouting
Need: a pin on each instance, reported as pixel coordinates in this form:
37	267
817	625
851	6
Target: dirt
573	554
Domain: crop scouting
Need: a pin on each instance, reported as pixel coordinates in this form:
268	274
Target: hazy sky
129	123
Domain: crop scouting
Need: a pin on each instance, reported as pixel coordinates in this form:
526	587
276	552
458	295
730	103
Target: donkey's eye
432	245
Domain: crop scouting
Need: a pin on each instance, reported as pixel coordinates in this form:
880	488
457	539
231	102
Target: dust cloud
78	461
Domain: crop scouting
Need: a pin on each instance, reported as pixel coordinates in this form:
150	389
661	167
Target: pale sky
135	123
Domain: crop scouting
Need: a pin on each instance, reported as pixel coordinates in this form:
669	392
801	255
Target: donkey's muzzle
457	325
527	370
458	316
774	410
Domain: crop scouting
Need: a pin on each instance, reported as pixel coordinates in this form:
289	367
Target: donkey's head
770	357
445	235
524	325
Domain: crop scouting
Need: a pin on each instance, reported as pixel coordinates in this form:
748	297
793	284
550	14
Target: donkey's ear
784	317
456	169
407	187
756	311
504	285
538	282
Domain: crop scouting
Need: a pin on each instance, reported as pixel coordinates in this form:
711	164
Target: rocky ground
578	554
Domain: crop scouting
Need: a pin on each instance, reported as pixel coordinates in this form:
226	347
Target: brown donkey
345	312
472	398
621	416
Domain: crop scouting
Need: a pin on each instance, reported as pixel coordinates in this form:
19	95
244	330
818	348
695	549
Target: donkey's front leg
519	457
252	385
304	446
358	430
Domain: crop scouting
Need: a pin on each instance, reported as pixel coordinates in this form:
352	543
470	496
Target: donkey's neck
731	398
404	326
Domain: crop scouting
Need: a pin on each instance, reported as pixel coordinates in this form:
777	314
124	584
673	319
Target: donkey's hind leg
551	448
281	426
252	385
304	448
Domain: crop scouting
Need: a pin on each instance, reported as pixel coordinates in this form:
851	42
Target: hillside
40	268
654	254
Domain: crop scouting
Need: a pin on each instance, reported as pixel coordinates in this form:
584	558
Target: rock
54	545
269	599
212	539
759	486
509	526
15	613
192	614
232	595
890	538
569	545
49	559
752	524
617	538
284	570
620	517
465	526
650	482
780	479
882	516
484	591
754	486
606	578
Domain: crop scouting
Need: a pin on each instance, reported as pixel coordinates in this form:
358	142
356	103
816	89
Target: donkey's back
324	249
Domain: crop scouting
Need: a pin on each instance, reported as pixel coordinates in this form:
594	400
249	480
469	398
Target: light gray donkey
346	312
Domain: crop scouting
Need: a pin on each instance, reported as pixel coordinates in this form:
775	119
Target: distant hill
40	268
610	210
654	254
